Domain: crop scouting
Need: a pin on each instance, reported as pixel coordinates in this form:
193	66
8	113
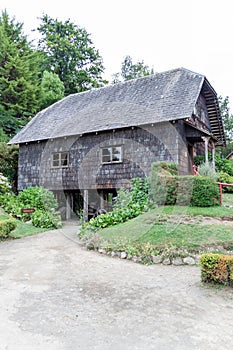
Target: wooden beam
68	208
85	205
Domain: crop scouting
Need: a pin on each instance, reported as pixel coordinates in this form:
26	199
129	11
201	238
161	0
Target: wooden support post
85	205
102	200
206	140
213	155
68	208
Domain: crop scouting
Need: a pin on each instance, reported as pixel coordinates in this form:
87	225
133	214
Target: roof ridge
134	80
163	96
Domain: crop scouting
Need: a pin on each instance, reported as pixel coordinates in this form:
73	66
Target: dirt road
55	295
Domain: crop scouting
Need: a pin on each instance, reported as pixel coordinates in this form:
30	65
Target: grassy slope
22	229
164	226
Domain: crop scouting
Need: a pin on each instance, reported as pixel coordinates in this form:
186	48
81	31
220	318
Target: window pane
55	159
116	154
55	162
106	151
55	156
64	159
106	155
106	159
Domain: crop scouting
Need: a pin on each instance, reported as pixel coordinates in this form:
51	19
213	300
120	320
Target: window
112	154
60	160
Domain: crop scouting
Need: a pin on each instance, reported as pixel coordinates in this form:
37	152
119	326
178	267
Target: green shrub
46	219
205	192
163	183
217	268
171	168
170	190
116	216
11	204
140	191
129	204
184	189
5	187
9	162
223	165
226	178
200	191
207	170
124	197
6	226
39	198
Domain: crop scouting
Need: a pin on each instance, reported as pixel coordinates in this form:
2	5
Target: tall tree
227	117
19	73
130	70
52	89
71	55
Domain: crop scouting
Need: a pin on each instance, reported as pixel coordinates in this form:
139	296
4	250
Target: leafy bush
41	199
168	190
205	192
11	204
171	168
46	219
217	268
138	193
9	162
183	190
5	187
124	197
224	165
221	164
129	204
6	226
116	216
207	170
163	186
226	178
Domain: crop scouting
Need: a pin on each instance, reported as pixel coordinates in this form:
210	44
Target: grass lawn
176	226
22	229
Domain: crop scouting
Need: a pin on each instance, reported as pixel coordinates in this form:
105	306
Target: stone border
154	259
191	259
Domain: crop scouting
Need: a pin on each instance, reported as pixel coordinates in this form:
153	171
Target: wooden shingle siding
140	147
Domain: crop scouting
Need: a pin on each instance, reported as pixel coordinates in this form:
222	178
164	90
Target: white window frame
111	154
60	159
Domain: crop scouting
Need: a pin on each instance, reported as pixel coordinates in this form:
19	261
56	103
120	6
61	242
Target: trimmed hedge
6	226
205	192
168	189
217	268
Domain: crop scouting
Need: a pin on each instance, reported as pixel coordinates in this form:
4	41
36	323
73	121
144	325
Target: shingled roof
166	96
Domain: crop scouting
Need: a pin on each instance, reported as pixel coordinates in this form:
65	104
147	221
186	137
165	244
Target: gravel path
56	295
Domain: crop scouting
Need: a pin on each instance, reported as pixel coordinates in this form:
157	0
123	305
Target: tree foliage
130	70
70	54
52	89
227	117
9	163
19	71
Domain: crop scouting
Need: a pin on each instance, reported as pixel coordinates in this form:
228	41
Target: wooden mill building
88	145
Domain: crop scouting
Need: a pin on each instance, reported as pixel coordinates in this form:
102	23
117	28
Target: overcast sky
166	34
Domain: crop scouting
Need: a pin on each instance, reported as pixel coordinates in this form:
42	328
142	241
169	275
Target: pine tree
19	72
